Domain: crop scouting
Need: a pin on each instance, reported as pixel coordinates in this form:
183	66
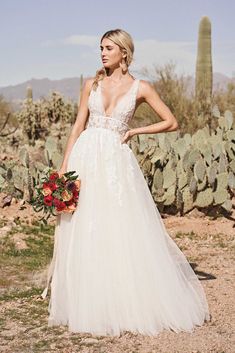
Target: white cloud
89	41
149	53
80	39
152	52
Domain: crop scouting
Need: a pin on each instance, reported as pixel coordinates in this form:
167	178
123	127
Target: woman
115	268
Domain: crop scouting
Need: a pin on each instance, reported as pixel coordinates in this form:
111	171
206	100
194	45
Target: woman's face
111	54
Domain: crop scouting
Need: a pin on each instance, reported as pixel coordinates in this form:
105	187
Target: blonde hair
125	42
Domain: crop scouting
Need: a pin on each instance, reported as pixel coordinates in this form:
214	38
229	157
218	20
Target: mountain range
70	87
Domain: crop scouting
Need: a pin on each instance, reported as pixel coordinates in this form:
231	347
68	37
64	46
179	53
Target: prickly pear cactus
20	176
190	171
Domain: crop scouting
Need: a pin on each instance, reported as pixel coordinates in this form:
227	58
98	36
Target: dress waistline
102	121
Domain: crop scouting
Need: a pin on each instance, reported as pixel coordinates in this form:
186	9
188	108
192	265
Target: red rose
48	200
56	201
54	176
60	206
53	186
75	193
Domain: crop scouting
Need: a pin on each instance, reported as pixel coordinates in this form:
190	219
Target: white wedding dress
115	268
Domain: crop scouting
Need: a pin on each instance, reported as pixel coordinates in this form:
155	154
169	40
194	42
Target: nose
104	56
103	52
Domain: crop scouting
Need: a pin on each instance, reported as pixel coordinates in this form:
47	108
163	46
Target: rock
4	230
195	213
14	200
19	241
6	201
90	341
3	156
11	219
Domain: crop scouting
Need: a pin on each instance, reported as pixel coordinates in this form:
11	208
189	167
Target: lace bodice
121	114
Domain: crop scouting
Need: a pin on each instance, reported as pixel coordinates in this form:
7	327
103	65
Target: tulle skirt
116	267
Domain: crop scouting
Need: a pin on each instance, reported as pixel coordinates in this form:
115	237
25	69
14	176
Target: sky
58	39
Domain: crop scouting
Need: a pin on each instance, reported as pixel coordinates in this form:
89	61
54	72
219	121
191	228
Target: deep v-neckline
118	102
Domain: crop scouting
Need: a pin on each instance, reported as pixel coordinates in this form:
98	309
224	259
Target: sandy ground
209	247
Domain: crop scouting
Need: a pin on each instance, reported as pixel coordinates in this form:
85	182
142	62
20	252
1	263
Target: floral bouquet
56	194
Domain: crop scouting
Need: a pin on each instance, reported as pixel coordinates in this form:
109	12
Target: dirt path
208	244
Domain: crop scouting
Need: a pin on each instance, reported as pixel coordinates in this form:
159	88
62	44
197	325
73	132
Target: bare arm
150	96
79	124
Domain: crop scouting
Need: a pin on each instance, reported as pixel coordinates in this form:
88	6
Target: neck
117	74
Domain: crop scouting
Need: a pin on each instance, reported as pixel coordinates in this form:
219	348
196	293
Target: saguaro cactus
29	94
203	82
80	91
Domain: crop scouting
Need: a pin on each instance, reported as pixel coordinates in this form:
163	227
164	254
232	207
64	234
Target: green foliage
37	254
8	124
190	171
36	117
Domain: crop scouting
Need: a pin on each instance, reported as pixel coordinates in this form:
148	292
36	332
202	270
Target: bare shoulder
145	86
88	84
146	89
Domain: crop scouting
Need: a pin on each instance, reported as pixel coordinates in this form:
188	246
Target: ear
124	55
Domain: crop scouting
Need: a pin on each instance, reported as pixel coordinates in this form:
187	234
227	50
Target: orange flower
66	195
77	183
69	209
72	207
46	191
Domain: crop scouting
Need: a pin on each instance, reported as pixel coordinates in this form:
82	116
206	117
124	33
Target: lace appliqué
111	169
112	124
125	110
130	170
119	119
117	123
